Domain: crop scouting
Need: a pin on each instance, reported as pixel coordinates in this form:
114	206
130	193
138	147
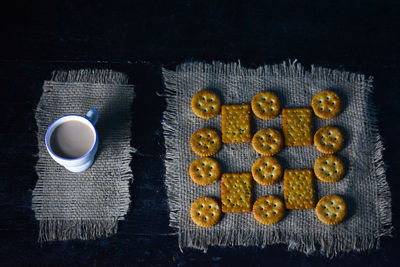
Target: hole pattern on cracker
266	105
299	189
331	209
329	168
236	192
205	212
206	104
326	104
328	139
205	142
267	142
236	127
205	171
266	170
296	125
268	210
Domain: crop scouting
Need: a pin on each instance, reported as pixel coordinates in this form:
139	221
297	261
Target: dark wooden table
138	37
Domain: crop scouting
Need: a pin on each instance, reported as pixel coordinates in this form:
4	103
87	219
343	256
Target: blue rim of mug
47	141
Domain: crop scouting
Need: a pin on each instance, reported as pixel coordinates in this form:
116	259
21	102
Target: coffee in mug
72	139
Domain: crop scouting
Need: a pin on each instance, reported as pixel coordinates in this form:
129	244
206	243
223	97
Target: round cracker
326	104
205	142
328	139
268	210
266	170
267	142
204	171
206	104
329	168
266	105
205	212
331	209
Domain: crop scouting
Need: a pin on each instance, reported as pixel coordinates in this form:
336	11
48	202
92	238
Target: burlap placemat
85	205
364	186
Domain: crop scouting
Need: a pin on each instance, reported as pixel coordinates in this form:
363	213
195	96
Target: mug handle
92	116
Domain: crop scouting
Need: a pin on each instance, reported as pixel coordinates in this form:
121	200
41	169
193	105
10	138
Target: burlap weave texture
364	186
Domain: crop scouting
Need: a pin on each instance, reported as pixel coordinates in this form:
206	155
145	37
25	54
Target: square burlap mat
364	186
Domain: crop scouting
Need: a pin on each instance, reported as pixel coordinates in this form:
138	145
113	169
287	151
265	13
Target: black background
138	37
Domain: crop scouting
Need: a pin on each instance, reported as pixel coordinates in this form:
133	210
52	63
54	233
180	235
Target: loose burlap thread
364	187
85	205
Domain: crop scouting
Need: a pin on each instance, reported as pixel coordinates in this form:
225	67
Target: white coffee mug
84	162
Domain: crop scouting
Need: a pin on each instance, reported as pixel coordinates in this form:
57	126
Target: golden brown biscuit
296	126
268	210
266	105
267	142
236	192
206	104
328	140
205	212
266	170
326	104
205	142
235	121
204	171
331	209
329	168
298	189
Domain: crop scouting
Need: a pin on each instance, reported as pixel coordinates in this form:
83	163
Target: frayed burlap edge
324	243
104	76
51	229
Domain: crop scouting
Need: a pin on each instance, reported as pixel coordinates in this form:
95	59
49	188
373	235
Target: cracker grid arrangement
236	188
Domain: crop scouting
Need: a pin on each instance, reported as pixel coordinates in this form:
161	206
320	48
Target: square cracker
298	189
296	124
235	123
236	192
